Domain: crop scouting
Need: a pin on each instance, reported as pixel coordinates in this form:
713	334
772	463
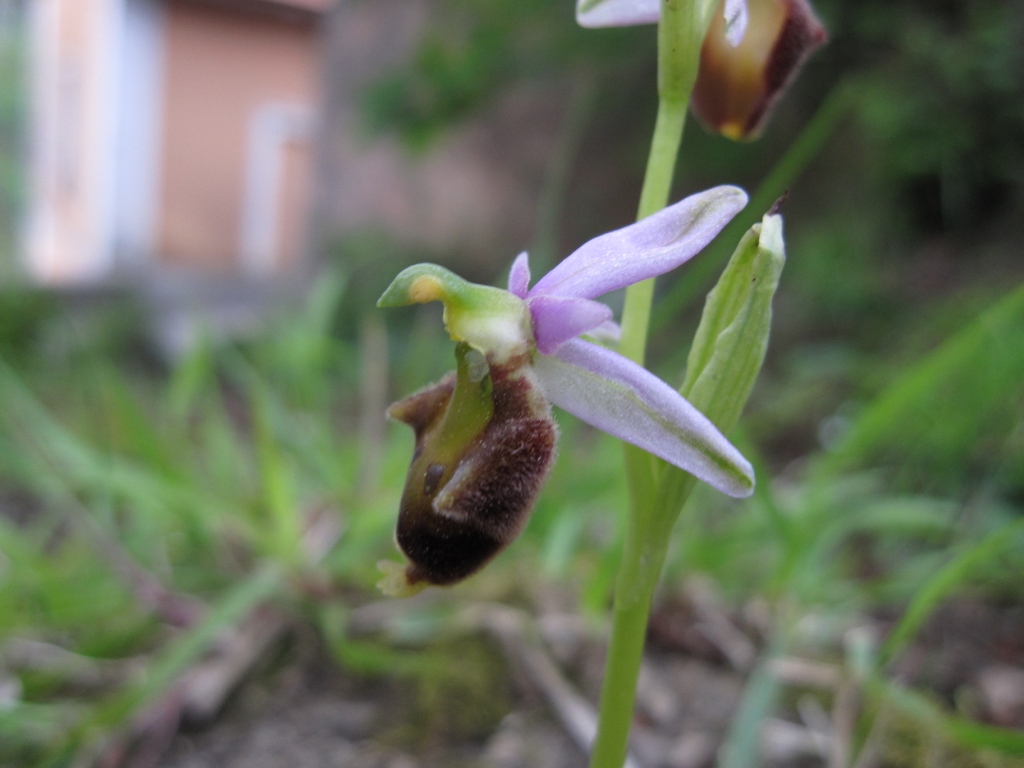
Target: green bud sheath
732	338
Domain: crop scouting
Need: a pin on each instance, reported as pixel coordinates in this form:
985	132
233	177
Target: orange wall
220	67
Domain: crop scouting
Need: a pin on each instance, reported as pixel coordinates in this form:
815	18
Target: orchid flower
485	438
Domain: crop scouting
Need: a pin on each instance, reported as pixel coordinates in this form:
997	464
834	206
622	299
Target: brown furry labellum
485	440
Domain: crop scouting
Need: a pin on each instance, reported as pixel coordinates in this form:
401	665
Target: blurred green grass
132	498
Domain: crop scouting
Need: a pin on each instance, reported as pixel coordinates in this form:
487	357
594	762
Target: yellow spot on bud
732	130
426	288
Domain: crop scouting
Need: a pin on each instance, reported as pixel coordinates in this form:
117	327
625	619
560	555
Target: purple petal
519	276
556	320
649	248
735	21
608	332
617	13
625	400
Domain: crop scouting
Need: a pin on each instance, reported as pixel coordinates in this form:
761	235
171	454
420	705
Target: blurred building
172	147
170	136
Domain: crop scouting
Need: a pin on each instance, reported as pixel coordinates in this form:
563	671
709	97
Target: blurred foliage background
146	504
12	115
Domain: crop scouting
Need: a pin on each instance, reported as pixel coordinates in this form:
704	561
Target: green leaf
936	411
954	574
957	729
731	341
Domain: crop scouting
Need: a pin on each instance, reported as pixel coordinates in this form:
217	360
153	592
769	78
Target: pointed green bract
732	338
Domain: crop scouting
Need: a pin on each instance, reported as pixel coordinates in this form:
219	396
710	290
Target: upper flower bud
738	85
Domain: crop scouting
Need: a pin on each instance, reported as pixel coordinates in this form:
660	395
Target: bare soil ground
304	710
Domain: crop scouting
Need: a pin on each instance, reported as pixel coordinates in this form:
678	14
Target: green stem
642	557
680	34
661	163
638	576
